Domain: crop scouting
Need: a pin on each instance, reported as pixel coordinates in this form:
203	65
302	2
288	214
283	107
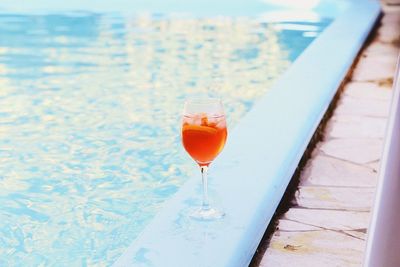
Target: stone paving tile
388	35
327	171
391	2
392	18
379	49
362	107
314	248
294	226
336	220
386	66
327	225
390	30
355	150
337	198
308	237
368	90
361	234
355	127
291	226
375	165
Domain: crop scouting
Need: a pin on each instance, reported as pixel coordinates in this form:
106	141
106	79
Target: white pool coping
251	175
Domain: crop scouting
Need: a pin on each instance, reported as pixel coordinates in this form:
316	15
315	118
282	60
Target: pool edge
242	243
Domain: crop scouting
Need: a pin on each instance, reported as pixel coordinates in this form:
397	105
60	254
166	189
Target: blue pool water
89	118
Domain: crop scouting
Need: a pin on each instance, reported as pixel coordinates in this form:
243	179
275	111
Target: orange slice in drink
199	129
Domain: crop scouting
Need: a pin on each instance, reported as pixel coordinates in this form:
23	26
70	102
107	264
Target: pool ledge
259	160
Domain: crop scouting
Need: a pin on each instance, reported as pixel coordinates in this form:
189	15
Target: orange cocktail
203	136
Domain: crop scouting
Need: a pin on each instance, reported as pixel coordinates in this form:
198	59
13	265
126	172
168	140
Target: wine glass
204	135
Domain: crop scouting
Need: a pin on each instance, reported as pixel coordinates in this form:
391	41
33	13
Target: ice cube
221	123
212	121
197	119
187	120
204	121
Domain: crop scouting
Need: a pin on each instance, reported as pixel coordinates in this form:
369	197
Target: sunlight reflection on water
89	120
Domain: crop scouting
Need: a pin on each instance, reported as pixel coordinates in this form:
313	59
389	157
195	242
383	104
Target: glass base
206	214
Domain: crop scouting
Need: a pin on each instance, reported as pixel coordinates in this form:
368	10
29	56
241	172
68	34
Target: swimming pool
253	171
90	106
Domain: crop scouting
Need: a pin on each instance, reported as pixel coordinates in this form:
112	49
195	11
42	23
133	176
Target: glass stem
204	177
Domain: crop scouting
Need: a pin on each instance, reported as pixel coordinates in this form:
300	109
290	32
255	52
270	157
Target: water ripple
89	120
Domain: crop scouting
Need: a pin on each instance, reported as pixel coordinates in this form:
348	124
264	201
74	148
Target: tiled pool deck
328	221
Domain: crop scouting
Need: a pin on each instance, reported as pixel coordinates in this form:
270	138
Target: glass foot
206	214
